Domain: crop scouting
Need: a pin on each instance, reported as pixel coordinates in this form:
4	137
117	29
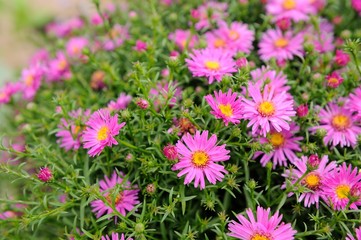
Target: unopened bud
45	174
170	152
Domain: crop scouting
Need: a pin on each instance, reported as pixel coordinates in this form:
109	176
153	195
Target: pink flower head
59	68
267	109
262	226
45	174
8	91
334	80
198	157
183	39
226	106
283	23
116	37
284	143
242	62
204	19
353	102
281	46
140	46
357	230
96	19
70	131
63	29
314	180
40	57
161	93
337	187
31	81
302	110
142	103
339	124
211	63
115	236
297	10
170	152
121	103
341	58
100	131
322	38
75	46
124	200
356	4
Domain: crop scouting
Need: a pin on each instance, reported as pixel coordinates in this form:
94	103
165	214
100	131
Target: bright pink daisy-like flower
284	143
100	132
297	10
8	91
226	106
198	157
261	227
204	19
358	235
341	58
31	81
75	46
211	63
115	236
339	124
121	103
59	68
334	80
353	102
314	180
267	109
338	188
116	37
124	200
281	46
356	4
183	39
70	131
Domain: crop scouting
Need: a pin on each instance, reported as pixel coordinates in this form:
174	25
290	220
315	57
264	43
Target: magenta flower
124	200
75	46
63	29
302	110
297	10
70	133
314	180
31	81
121	103
198	157
284	143
226	106
267	109
353	102
211	63
204	19
140	46
341	58
45	174
115	236
116	37
59	68
100	132
261	227
170	152
356	4
334	80
339	124
357	230
337	187
9	90
281	46
183	39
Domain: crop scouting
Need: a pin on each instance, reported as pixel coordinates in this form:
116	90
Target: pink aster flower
267	109
70	131
262	226
297	10
211	63
100	131
198	157
357	231
341	58
115	236
116	37
334	80
121	103
356	4
204	19
58	68
31	81
284	143
281	46
124	200
63	29
226	106
8	91
314	180
75	46
140	46
353	102
339	124
338	186
183	39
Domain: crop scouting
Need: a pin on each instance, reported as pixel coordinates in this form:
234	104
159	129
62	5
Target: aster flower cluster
172	119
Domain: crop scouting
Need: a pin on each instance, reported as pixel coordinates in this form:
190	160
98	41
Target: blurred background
19	18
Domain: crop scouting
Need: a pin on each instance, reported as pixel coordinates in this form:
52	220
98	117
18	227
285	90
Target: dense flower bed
180	119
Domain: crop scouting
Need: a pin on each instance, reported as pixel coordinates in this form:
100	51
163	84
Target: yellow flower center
118	199
277	139
289	4
29	79
234	35
342	191
266	109
2	95
212	65
200	158
312	181
103	133
226	109
62	65
183	43
76	130
332	81
281	42
76	50
219	43
113	33
341	122
260	237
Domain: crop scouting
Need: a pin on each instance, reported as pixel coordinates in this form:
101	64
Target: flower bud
241	62
355	192
302	110
142	103
313	161
150	188
341	58
284	23
170	152
97	80
139	228
45	174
